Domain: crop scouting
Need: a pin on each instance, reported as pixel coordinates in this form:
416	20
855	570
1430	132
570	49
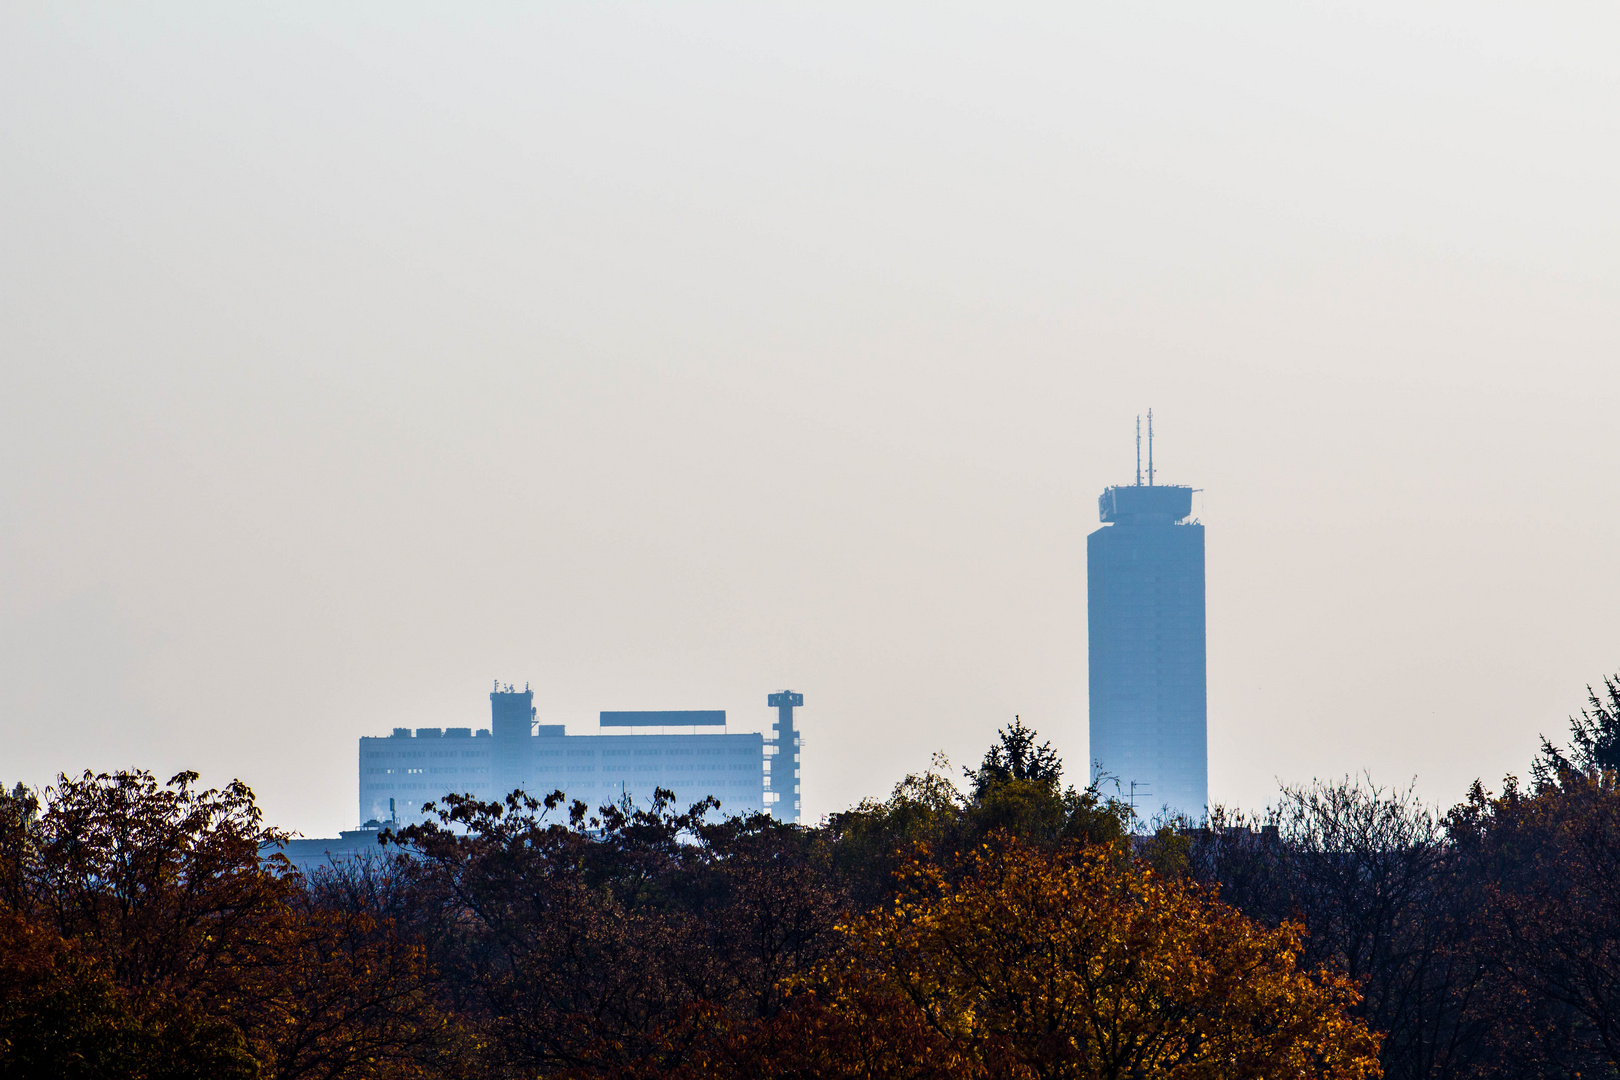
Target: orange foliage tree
1048	964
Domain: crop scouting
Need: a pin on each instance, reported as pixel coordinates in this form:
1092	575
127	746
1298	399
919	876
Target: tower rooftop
1135	504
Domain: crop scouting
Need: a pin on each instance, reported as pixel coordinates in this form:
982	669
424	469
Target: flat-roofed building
687	752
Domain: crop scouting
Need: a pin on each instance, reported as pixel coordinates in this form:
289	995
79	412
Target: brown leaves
1547	867
145	933
1052	964
143	917
1067	964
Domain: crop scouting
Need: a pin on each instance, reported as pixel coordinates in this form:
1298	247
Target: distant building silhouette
405	770
309	855
1145	608
782	762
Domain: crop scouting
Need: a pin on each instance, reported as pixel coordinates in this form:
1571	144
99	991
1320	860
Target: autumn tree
147	907
1061	964
1055	964
1369	873
1545	865
62	1015
869	843
1017	790
577	941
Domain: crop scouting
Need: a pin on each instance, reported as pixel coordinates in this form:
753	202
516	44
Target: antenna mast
1138	451
1150	448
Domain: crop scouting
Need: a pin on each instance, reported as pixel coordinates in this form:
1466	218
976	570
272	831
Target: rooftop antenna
1138	451
1150	448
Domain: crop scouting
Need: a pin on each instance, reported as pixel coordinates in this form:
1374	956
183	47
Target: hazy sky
663	356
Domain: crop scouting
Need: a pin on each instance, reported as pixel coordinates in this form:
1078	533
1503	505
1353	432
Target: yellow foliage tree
1069	964
1039	965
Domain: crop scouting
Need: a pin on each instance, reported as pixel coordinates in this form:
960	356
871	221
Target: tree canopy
1013	927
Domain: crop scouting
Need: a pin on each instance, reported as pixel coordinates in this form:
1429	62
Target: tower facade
1145	614
511	723
782	761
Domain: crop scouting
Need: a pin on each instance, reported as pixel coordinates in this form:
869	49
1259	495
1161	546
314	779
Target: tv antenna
1138	451
1138	789
1150	448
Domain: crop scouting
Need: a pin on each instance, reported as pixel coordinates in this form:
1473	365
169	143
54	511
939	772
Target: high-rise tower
1145	607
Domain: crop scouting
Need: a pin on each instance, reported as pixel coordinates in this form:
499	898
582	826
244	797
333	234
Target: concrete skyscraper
1145	612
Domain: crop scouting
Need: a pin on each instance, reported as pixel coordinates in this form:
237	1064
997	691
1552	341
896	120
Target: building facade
782	759
1145	614
636	753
